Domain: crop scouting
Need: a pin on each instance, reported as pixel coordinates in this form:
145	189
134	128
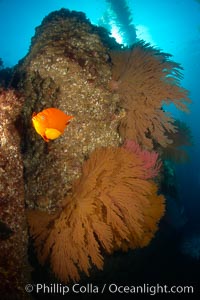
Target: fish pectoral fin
52	133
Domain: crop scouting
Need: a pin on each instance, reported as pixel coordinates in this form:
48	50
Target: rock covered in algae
13	233
67	67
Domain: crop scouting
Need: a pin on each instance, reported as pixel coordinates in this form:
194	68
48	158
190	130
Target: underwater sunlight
99	148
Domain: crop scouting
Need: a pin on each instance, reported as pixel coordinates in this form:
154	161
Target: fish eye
42	118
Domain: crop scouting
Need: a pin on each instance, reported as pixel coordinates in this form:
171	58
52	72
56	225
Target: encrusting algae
71	74
14	267
94	189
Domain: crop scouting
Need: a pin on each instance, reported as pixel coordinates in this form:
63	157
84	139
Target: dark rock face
13	231
67	67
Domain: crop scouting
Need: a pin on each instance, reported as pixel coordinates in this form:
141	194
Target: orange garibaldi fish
50	123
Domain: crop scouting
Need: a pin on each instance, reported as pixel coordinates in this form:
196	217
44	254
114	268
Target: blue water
173	26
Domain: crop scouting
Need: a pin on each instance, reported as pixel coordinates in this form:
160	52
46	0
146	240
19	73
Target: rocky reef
90	187
67	67
14	270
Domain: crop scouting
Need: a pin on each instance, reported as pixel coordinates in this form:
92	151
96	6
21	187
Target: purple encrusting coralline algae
13	232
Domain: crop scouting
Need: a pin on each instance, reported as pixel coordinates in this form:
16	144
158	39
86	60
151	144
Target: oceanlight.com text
112	288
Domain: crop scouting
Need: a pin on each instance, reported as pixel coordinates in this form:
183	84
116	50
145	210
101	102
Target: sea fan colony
182	138
112	206
145	79
191	246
